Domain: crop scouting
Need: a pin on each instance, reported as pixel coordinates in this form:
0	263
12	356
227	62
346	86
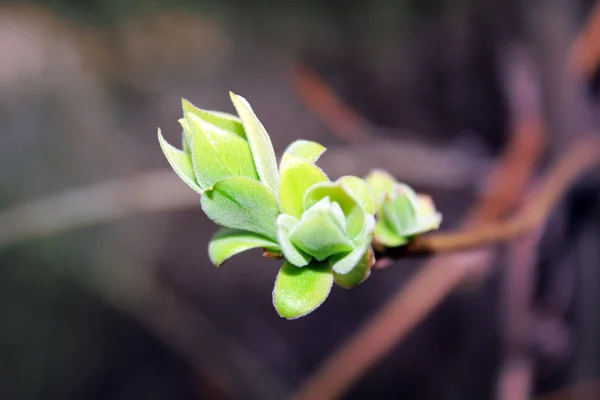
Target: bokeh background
101	301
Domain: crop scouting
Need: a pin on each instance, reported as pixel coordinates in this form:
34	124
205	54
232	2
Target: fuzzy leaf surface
181	163
299	291
310	151
297	176
228	242
242	203
260	143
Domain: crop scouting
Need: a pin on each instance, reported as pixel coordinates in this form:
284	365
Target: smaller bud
401	213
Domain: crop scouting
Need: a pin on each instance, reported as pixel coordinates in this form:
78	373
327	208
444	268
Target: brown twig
578	159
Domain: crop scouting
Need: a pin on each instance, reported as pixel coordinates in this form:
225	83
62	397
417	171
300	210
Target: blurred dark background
131	308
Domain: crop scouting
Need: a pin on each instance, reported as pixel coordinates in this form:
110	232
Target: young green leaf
321	231
398	213
187	134
359	273
260	143
242	203
386	236
381	182
222	120
285	223
180	162
361	191
345	263
424	225
299	291
229	242
310	151
297	176
337	193
218	154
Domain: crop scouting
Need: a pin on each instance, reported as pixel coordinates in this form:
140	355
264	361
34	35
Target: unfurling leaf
361	191
225	121
297	176
260	143
359	273
381	182
344	263
310	151
242	203
180	162
386	236
321	232
299	291
337	193
285	223
228	242
218	154
401	213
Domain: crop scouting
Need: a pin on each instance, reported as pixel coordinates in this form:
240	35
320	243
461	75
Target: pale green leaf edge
181	163
307	149
258	217
228	242
260	142
292	254
326	272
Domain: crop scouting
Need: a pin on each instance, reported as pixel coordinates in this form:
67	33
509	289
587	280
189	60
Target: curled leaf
228	242
242	203
398	212
338	194
221	120
260	143
386	236
361	191
321	231
181	162
345	263
285	223
381	182
186	135
299	291
359	273
310	151
297	176
218	154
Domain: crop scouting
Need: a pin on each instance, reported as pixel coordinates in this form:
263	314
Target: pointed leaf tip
217	153
309	150
181	163
260	142
297	176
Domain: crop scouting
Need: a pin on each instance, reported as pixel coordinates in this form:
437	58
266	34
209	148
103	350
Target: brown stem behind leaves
578	159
